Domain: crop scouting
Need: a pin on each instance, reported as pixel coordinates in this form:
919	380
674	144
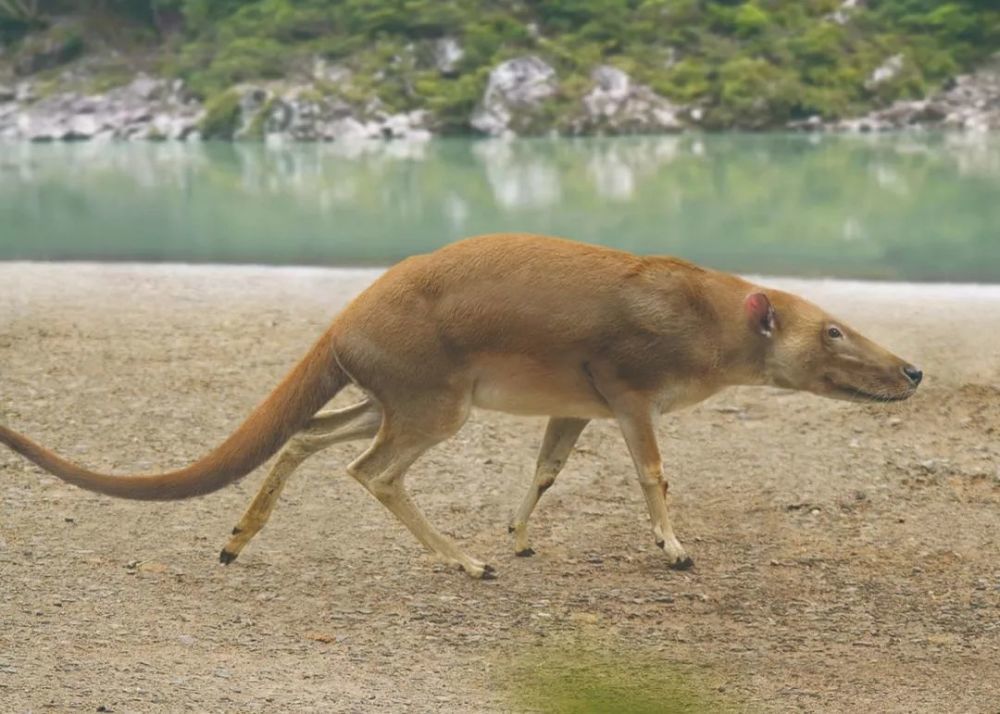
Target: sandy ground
846	556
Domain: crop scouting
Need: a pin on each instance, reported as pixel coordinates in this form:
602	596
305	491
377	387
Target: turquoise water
917	207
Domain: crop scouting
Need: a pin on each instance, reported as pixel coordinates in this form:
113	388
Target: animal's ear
761	313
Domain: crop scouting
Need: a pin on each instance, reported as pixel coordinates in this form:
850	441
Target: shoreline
875	288
512	104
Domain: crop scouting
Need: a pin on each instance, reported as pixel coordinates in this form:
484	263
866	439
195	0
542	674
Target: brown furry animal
528	325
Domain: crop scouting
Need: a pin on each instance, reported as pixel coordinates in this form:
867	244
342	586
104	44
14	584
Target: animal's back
499	290
514	317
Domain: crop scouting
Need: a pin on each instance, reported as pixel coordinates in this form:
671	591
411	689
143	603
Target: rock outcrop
300	113
146	108
617	105
970	102
447	54
160	109
522	96
885	72
515	96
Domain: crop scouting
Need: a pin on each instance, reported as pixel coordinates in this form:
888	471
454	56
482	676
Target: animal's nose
913	374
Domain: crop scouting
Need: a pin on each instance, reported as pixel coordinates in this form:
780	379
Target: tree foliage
751	63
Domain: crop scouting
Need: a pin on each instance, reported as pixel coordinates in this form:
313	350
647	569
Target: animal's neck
741	351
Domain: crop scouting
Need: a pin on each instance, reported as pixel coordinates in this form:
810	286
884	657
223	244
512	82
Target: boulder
885	72
447	54
617	105
81	127
411	126
347	129
41	129
304	115
842	15
24	92
514	94
172	126
146	88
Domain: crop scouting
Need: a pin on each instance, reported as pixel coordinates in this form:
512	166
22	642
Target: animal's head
807	349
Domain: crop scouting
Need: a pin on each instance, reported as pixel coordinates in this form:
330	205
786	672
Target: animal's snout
913	374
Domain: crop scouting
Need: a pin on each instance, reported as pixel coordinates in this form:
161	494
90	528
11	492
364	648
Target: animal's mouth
863	396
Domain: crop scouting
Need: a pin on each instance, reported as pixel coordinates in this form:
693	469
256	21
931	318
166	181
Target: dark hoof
510	529
489	573
225	557
685	564
526	553
237	530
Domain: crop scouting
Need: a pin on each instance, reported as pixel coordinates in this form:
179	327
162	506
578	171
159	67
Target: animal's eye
835	333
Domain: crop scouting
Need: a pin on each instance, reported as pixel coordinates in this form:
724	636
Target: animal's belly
680	395
519	385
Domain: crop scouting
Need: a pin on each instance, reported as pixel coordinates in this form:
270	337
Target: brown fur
313	382
530	325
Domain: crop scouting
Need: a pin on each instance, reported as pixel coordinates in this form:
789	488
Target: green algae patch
560	679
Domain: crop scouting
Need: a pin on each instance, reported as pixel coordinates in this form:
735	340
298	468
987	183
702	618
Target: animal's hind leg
344	423
381	470
360	421
560	437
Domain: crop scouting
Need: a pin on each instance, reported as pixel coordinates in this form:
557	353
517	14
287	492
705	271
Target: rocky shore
523	96
969	102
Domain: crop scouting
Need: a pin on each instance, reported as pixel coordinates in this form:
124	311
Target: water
887	207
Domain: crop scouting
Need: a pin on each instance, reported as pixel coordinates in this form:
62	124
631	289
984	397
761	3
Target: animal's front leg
635	416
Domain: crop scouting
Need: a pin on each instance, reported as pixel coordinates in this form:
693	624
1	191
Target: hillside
582	66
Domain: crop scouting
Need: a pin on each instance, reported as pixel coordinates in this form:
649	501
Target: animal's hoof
510	529
684	563
489	573
526	553
226	557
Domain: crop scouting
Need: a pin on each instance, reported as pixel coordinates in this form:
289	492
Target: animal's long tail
313	382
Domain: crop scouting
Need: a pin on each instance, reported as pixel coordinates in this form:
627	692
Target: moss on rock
222	116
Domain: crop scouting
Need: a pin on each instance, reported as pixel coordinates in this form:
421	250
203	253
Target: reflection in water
518	178
611	176
457	211
909	206
853	230
974	154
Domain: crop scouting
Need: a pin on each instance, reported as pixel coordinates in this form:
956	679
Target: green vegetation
753	64
222	116
568	680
